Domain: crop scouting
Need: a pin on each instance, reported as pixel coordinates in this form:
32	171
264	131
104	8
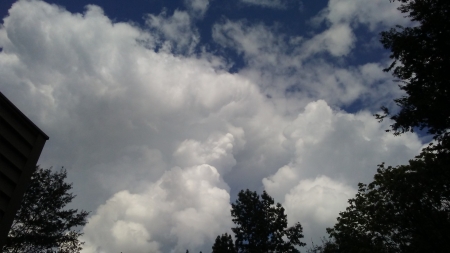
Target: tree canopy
421	55
405	209
261	226
43	223
224	244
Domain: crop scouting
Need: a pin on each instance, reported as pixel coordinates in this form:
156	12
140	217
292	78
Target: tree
224	244
421	63
328	246
261	226
405	209
43	223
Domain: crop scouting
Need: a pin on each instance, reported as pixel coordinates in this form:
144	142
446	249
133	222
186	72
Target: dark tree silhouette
327	246
421	63
261	226
43	223
224	244
405	209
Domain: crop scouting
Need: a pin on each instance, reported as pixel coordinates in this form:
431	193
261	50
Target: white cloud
216	152
333	152
263	44
113	104
197	7
376	14
176	31
350	156
186	208
295	66
338	40
146	163
279	63
156	143
317	202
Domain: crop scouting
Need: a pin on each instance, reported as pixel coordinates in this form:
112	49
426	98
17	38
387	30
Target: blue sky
293	18
162	111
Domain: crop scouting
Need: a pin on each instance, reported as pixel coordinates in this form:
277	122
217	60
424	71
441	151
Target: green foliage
43	224
261	226
224	244
421	63
405	209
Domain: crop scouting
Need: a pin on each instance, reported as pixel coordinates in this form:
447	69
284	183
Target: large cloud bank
157	142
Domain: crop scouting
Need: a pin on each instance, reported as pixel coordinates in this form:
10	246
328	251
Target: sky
162	111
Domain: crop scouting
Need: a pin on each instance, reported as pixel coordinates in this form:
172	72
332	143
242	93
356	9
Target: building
21	143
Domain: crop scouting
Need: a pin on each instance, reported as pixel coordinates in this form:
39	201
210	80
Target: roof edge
22	115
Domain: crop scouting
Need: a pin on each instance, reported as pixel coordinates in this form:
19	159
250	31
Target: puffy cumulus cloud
347	146
316	203
216	151
176	32
374	14
197	7
185	208
333	152
321	198
110	103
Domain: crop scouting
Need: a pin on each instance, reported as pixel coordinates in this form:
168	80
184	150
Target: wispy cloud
278	4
